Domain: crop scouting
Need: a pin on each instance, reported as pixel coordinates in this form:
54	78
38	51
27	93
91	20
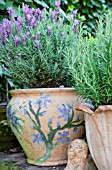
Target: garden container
98	125
45	121
7	138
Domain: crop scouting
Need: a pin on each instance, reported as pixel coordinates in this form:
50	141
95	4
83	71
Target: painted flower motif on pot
63	137
66	112
43	100
38	138
15	122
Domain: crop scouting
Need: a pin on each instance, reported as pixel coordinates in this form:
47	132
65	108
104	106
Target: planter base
47	163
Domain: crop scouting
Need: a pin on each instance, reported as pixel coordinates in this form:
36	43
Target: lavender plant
32	46
91	63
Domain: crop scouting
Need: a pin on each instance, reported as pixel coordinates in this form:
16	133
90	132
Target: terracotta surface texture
44	122
99	134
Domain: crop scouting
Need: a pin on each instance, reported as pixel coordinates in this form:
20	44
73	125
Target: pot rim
38	90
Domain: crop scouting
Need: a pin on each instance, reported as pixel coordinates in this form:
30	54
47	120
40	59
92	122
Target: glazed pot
45	121
98	125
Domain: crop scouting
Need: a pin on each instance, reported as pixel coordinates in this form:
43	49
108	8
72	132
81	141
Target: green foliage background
89	10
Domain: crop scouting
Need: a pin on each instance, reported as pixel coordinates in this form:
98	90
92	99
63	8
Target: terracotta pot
7	138
99	134
44	122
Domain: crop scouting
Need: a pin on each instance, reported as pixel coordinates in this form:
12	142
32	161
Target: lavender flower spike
3	66
57	4
11	12
74	13
37	44
23	38
53	15
16	41
62	34
49	31
76	22
38	35
19	56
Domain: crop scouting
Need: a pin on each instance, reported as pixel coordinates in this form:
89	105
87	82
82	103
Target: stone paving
19	160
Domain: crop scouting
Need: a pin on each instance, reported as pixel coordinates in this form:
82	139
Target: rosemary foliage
90	63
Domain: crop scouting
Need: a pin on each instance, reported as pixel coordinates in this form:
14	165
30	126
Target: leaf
42	3
28	1
10	82
64	14
1	72
2	2
9	4
96	3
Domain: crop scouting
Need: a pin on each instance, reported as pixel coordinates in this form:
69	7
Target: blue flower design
25	111
43	100
58	124
43	113
65	112
75	130
63	137
11	116
38	138
50	120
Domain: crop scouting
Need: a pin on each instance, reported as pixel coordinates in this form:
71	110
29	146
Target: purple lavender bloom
18	26
27	28
33	22
74	30
7	26
28	34
74	13
39	13
3	66
23	38
76	22
33	37
28	18
19	56
16	40
1	28
57	4
9	59
38	35
27	10
49	31
11	12
60	20
19	20
53	15
62	34
63	137
37	44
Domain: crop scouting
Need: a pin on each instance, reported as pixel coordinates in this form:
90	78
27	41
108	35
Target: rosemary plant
90	63
33	45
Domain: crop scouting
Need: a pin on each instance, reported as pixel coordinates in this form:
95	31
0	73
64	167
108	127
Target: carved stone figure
77	154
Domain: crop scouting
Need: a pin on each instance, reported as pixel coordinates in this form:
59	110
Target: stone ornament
77	154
